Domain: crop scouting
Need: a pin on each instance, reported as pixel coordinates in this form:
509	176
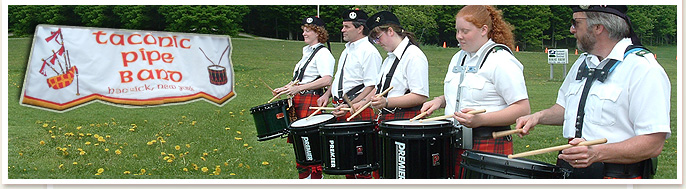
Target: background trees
536	26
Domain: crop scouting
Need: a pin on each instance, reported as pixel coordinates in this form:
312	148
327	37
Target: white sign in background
126	67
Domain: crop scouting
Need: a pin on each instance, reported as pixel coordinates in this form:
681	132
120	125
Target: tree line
536	26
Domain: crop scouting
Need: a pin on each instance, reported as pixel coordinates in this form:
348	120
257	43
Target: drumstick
449	116
313	113
418	116
505	133
328	108
347	101
557	148
265	84
281	93
369	103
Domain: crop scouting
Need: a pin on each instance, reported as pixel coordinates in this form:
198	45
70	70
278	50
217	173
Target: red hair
479	15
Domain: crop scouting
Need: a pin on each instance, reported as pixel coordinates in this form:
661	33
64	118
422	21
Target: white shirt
321	65
495	86
412	72
362	63
633	100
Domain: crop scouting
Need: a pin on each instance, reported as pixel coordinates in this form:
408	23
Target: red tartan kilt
501	145
408	114
366	115
302	104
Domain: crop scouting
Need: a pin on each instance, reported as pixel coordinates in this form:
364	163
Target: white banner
70	66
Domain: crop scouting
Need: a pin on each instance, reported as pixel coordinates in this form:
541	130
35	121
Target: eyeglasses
376	40
574	22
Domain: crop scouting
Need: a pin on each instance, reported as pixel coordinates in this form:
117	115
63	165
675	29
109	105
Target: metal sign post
558	56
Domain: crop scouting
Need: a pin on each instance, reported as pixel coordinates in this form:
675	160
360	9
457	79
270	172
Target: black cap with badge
313	20
619	10
354	15
381	18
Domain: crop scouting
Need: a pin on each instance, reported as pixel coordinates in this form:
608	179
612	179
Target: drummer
313	71
358	67
405	69
495	84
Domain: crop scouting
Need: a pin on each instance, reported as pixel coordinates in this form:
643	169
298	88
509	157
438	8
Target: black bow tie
592	73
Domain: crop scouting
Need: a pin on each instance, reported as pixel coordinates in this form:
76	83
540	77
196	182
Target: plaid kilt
302	104
402	114
502	145
309	171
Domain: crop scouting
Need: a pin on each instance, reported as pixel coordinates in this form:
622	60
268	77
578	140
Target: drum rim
388	123
269	106
212	66
332	117
518	163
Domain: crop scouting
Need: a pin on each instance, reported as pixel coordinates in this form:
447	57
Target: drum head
415	123
314	120
349	124
216	68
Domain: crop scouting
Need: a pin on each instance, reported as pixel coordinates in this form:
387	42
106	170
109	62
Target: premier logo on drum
400	153
306	146
332	151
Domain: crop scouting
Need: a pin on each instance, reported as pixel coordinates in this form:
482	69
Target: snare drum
349	147
272	120
306	139
217	74
484	165
416	150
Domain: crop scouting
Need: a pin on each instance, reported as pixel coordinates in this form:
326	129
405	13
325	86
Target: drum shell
272	119
349	148
307	142
427	151
217	74
484	165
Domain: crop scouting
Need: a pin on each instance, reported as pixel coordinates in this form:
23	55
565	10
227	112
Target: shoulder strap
492	48
301	73
389	75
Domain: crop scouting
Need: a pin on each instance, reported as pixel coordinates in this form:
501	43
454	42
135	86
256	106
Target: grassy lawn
202	141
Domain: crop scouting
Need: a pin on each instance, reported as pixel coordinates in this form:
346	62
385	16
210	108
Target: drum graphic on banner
217	73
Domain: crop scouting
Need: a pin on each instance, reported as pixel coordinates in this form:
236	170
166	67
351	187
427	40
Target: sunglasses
574	22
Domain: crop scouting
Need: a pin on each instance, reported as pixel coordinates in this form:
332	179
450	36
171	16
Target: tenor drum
306	138
484	165
217	74
416	150
349	147
272	119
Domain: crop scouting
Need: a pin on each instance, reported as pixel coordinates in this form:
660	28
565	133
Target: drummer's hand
323	101
579	156
465	119
293	90
359	104
526	123
278	90
338	112
379	102
430	106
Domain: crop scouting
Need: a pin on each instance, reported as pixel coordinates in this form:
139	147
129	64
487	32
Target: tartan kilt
402	114
302	104
502	145
366	115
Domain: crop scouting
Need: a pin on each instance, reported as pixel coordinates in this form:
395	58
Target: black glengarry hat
354	15
382	18
314	21
619	10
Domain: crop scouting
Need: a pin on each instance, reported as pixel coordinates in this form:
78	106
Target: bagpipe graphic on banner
125	67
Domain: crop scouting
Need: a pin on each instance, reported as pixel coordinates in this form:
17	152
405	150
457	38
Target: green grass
226	136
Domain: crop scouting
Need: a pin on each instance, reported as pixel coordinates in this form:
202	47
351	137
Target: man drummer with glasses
620	92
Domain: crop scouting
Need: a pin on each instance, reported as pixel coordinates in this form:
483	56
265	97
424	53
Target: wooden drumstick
369	103
313	113
265	84
505	133
449	116
557	148
281	93
328	108
418	116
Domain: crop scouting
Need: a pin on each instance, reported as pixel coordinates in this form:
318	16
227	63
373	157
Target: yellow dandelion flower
65	153
247	166
227	128
232	174
45	125
166	158
527	146
226	164
78	128
149	143
170	160
132	130
145	121
127	172
42	142
61	165
194	166
245	145
101	170
237	138
188	146
217	171
108	136
240	165
135	155
238	132
100	139
180	122
172	156
88	143
142	171
163	141
177	147
97	125
75	163
215	150
265	163
107	149
168	134
185	169
117	151
82	153
204	169
81	134
282	154
162	153
249	147
96	144
53	137
96	136
203	158
205	154
89	164
183	117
